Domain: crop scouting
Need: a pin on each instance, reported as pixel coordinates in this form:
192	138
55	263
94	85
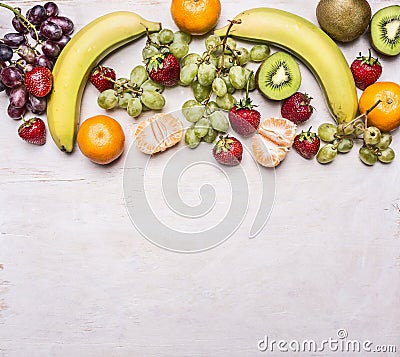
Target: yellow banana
72	69
311	45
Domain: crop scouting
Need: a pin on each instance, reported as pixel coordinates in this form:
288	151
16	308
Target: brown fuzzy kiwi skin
344	20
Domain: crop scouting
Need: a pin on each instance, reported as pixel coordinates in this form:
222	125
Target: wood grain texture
76	278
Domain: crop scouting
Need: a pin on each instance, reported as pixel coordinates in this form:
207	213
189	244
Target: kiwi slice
385	30
279	76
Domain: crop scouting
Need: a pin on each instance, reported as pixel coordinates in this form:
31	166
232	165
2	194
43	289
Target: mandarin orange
101	139
196	17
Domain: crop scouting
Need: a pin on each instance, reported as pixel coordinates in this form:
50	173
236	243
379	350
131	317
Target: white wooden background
76	279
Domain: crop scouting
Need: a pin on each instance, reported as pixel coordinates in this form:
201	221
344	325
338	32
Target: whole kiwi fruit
344	20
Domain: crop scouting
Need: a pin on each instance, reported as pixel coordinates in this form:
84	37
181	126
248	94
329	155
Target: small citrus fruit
386	115
101	139
196	17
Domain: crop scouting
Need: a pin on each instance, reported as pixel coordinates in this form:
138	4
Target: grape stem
23	20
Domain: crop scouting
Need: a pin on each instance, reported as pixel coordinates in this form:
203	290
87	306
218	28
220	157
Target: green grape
154	38
134	107
385	141
165	36
327	132
230	45
237	76
219	121
139	75
259	53
179	49
358	129
228	61
345	145
193	110
345	129
326	154
243	55
367	156
200	92
123	99
212	106
191	139
212	42
149	51
188	73
211	58
152	99
372	135
386	156
182	37
107	99
251	78
151	85
190	58
219	87
201	127
230	88
226	102
211	136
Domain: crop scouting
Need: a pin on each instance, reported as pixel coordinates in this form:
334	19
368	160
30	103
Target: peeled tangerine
274	139
158	133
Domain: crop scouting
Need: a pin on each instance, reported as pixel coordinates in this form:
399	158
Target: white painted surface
77	279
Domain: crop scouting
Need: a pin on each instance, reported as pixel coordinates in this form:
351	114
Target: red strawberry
39	81
297	108
307	144
102	78
228	151
244	119
164	69
366	70
33	131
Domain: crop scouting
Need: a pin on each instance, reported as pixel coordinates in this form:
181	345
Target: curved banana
71	71
311	45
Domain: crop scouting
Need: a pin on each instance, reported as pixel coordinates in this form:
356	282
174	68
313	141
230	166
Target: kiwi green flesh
385	30
278	77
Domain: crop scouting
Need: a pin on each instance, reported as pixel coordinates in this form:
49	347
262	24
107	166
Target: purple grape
11	77
6	52
39	34
65	23
15	113
36	15
51	30
50	49
14	39
51	9
27	53
18	25
37	105
63	41
2	86
42	60
18	96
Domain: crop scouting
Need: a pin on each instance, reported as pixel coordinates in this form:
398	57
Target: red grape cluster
39	39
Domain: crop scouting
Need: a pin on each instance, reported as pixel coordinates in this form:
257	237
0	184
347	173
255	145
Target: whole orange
196	17
386	115
101	139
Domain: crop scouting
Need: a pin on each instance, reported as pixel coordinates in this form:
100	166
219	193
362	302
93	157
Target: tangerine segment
101	139
386	116
266	152
196	17
278	130
158	133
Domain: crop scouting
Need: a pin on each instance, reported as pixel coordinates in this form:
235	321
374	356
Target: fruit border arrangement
36	79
